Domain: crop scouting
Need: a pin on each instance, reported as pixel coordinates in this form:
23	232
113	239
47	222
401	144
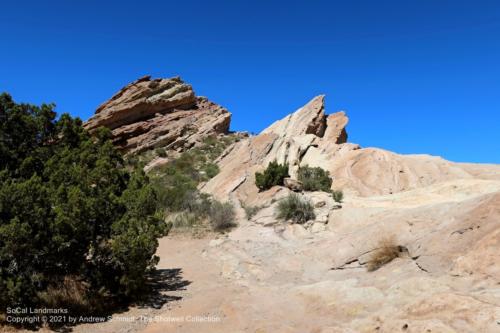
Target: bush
314	179
161	152
250	211
387	251
185	220
211	170
69	208
295	209
338	195
273	175
222	216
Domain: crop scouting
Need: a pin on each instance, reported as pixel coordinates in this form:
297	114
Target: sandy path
259	280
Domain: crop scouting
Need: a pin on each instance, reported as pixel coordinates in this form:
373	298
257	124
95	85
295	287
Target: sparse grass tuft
222	216
387	251
250	211
296	209
338	195
185	221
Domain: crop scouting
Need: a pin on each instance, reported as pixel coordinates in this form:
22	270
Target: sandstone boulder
293	184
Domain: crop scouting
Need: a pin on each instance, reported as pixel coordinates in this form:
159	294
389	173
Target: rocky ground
285	278
270	276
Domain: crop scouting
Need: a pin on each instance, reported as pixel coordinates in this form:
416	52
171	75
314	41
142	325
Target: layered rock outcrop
150	113
311	137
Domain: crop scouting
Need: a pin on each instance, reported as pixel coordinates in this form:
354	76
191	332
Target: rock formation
310	137
270	276
150	113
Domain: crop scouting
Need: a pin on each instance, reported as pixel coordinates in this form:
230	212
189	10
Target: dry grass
387	251
71	294
296	209
250	211
222	216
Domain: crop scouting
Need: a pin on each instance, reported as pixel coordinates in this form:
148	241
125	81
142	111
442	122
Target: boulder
293	184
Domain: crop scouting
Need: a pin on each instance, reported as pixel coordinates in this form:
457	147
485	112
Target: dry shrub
338	196
222	216
71	294
386	251
296	209
250	211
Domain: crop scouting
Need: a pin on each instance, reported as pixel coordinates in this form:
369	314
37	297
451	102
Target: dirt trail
287	279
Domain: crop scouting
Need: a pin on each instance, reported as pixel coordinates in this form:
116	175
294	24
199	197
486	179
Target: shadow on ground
163	286
160	283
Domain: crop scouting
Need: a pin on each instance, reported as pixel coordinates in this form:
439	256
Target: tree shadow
159	283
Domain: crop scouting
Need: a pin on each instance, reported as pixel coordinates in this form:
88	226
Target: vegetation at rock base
177	182
222	216
295	208
387	251
73	218
314	179
250	211
338	196
161	152
273	175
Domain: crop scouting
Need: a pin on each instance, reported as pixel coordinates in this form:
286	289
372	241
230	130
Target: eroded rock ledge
150	113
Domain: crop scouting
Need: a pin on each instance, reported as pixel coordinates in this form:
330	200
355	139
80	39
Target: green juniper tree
69	207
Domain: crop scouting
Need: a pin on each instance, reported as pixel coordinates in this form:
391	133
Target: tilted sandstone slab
310	137
150	113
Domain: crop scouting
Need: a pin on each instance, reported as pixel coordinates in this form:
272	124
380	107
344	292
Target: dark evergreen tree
69	207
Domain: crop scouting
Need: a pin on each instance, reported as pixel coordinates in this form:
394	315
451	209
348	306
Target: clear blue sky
414	76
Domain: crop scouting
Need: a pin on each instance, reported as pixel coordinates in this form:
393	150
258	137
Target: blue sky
414	76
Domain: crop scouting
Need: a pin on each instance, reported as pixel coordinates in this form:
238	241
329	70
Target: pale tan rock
318	227
263	279
268	277
309	137
293	184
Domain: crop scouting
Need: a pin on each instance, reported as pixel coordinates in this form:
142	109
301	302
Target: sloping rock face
267	275
150	113
310	137
286	141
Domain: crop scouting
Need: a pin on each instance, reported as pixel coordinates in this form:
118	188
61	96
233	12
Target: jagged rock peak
150	113
307	133
311	119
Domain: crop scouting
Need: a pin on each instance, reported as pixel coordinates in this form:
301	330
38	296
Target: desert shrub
337	195
296	209
272	175
161	152
176	182
185	220
386	251
222	216
199	204
314	179
211	170
250	211
175	188
69	207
